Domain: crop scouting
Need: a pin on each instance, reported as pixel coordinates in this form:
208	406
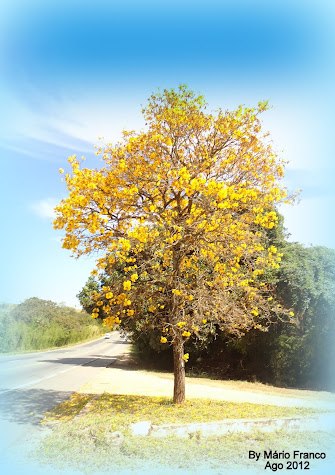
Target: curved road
35	369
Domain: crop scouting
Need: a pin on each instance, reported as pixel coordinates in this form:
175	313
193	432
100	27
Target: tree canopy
179	214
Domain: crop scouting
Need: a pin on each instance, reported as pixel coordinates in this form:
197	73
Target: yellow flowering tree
179	214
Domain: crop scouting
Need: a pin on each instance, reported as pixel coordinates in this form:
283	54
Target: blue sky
74	71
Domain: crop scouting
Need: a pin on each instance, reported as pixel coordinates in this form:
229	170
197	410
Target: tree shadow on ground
120	342
98	361
27	406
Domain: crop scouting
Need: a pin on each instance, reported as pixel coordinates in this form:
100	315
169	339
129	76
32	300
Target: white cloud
45	208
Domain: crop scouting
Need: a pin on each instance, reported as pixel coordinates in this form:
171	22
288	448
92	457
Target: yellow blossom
163	339
127	285
176	292
181	324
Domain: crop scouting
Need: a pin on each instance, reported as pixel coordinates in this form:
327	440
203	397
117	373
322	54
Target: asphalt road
35	369
30	384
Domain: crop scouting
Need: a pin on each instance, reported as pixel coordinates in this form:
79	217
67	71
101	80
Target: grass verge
98	437
118	411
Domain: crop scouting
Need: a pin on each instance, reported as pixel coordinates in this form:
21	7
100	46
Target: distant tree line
37	324
300	355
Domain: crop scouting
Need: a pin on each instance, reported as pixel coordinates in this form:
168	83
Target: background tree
180	209
303	354
299	355
37	324
87	293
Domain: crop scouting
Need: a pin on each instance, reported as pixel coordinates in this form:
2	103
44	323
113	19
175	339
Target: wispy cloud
71	124
45	208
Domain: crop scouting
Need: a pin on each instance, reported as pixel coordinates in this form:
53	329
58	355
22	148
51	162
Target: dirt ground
122	377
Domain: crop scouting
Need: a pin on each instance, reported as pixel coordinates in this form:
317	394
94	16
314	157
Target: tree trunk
179	371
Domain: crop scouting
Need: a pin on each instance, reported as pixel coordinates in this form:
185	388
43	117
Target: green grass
92	449
87	442
68	409
118	411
